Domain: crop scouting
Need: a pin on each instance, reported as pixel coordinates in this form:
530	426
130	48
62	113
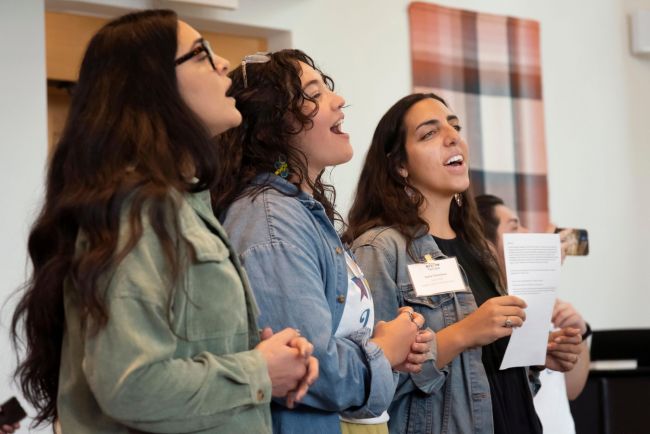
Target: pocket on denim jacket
438	310
431	301
212	302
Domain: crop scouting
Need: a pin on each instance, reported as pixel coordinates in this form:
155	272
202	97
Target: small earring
459	199
281	167
410	193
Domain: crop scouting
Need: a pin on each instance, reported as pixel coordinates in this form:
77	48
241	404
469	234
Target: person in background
413	205
552	400
280	215
138	315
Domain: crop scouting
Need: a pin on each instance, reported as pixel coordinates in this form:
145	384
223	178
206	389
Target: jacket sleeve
379	269
355	376
133	369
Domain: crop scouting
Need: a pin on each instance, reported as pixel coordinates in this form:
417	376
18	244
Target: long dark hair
271	108
381	199
128	136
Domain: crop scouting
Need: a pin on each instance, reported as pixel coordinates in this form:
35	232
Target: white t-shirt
359	312
552	404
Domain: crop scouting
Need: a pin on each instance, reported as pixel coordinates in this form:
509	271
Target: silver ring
508	323
412	318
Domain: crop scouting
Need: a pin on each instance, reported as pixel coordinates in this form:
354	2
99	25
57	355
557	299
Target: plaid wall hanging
488	69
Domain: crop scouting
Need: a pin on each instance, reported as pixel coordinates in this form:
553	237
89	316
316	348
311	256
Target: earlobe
403	172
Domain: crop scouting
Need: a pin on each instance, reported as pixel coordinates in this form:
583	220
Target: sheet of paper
533	274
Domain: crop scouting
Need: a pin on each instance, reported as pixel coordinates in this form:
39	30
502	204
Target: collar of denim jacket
285	187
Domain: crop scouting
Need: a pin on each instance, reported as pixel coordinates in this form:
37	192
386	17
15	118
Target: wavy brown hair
272	111
129	136
381	199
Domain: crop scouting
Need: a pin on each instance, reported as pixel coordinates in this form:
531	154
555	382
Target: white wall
23	146
596	107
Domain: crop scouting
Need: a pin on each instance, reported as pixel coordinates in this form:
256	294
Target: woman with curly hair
280	216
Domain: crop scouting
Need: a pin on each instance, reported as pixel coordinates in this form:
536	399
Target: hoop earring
410	193
459	199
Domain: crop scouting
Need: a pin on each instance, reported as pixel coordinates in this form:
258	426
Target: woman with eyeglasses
138	315
413	209
280	216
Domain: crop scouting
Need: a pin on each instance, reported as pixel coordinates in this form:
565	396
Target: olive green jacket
169	360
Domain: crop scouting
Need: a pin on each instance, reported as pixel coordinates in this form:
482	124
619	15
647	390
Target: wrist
384	348
460	338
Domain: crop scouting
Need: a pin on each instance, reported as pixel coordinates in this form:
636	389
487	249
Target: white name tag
436	277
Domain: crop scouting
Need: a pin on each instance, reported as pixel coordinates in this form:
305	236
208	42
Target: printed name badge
436	277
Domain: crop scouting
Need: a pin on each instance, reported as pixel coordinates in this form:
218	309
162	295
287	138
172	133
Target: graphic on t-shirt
365	316
358	311
363	286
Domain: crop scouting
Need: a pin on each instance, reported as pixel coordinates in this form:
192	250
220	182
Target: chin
226	124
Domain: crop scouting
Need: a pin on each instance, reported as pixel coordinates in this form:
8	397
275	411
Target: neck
313	175
435	211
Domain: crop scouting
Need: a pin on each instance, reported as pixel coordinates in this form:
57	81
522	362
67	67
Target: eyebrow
436	122
314	81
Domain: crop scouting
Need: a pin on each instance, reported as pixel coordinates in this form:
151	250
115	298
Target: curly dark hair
129	138
380	198
272	110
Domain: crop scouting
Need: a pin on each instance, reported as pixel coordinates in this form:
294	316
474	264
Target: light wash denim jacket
454	400
296	265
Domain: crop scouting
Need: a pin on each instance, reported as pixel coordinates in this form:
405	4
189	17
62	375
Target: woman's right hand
488	323
291	366
395	337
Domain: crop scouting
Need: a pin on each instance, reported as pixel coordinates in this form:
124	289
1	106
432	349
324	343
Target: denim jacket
169	360
455	399
296	264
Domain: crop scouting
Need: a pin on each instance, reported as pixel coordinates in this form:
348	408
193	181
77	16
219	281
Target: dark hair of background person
381	200
485	204
129	137
272	112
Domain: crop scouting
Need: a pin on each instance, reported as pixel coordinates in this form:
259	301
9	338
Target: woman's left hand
563	349
420	352
305	349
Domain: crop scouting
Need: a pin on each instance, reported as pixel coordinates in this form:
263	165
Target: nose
453	136
223	65
338	101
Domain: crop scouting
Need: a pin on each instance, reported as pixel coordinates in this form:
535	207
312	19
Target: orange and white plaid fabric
488	69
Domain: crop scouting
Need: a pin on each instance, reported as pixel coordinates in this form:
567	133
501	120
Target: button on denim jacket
455	399
294	259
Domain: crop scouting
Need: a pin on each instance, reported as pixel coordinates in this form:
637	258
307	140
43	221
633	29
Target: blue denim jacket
296	266
454	400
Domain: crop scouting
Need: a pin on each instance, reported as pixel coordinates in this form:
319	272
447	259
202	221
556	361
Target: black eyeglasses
258	57
203	47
